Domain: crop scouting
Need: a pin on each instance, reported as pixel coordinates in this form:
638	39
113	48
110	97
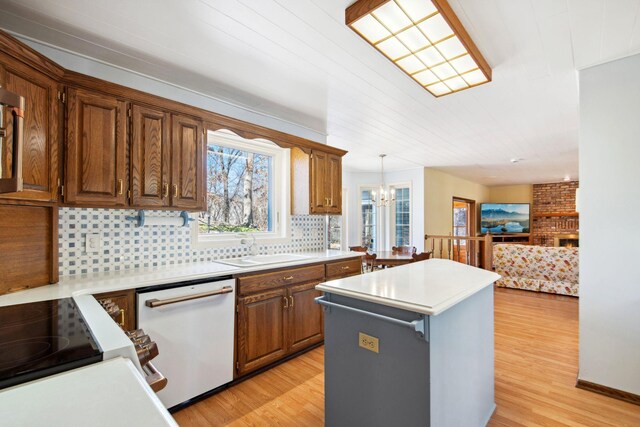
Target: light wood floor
536	340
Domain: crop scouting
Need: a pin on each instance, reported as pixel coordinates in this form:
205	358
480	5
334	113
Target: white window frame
281	197
373	187
392	213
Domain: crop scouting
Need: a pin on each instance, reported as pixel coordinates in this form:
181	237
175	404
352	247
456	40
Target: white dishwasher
193	326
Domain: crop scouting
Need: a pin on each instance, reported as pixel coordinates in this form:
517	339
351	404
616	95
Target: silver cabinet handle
419	325
153	303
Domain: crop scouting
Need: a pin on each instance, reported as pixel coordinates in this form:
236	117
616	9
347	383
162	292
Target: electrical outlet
92	243
368	342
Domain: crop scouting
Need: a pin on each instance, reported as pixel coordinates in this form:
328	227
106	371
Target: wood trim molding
361	8
212	121
251	131
608	391
18	50
452	19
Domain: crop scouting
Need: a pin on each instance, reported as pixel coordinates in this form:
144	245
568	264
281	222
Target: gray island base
410	346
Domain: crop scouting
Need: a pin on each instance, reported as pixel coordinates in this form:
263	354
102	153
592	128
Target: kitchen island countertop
427	287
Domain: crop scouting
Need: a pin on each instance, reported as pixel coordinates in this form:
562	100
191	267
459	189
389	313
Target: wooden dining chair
404	249
421	256
369	262
358	248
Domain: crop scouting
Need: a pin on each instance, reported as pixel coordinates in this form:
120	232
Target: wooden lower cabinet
262	330
306	323
126	300
277	315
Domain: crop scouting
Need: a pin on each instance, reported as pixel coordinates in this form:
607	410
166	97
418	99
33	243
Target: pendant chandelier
384	199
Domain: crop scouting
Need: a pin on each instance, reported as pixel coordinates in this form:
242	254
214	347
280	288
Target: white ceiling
296	60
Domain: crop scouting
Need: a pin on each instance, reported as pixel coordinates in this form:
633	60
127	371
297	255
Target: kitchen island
412	345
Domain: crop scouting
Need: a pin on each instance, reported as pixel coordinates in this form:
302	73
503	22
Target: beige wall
511	194
439	190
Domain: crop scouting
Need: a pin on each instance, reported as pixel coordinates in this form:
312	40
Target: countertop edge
133	279
417	308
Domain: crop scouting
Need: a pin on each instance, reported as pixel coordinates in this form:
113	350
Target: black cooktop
43	338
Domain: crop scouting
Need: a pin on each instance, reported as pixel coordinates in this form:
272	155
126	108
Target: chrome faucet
252	244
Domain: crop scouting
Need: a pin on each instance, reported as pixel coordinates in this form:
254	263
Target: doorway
464	224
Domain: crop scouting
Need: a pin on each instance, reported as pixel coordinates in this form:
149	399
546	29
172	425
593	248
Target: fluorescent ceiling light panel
417	10
439	89
425	39
474	77
393	48
430	56
456	83
436	28
451	48
413	39
463	64
411	64
392	17
426	77
371	29
444	71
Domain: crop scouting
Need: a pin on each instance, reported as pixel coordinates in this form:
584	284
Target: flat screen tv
504	218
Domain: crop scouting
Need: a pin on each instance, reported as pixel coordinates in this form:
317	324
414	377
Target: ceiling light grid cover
425	39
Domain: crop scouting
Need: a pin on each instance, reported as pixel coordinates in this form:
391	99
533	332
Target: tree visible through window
239	191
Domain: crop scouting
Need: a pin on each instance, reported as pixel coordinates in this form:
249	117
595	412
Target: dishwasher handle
419	325
153	303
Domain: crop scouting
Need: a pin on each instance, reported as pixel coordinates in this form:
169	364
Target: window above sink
247	192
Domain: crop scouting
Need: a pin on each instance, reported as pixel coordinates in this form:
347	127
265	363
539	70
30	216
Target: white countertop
130	279
103	394
428	287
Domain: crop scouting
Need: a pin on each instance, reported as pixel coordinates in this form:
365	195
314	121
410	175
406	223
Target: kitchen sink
255	260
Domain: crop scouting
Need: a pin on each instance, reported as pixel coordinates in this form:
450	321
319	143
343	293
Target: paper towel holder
141	217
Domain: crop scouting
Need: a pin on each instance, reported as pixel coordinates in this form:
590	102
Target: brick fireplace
554	213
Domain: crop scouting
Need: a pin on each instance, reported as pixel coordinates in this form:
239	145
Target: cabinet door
306	325
150	157
126	301
334	184
42	120
96	149
187	186
318	182
262	330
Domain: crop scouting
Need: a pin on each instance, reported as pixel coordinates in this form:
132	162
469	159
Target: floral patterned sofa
537	268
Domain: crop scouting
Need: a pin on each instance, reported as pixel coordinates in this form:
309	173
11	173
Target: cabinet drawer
260	282
346	268
126	300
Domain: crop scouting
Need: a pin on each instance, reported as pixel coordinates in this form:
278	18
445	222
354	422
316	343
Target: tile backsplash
125	246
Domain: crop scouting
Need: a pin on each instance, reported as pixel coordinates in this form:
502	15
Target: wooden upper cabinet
319	175
316	182
150	157
333	184
187	183
95	172
41	142
326	183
